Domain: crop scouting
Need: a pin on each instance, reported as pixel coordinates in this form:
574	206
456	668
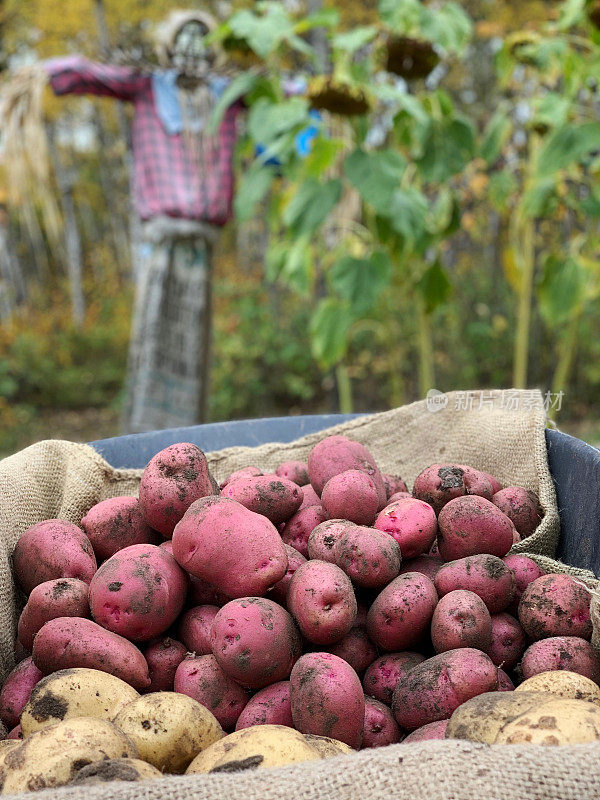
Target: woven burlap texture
57	479
449	770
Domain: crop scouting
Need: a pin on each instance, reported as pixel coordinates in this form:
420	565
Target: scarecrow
182	187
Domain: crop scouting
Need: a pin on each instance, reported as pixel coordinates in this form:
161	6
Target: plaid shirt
167	179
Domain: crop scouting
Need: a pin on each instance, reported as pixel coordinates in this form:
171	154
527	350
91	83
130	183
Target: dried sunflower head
410	58
594	15
329	94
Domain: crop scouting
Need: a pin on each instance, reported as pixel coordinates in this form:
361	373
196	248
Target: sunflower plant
356	163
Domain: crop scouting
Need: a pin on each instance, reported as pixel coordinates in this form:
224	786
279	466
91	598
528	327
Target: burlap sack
502	434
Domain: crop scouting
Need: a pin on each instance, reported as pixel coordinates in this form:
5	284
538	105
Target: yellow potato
481	718
116	769
553	722
327	747
6	745
53	755
562	683
71	693
260	746
169	729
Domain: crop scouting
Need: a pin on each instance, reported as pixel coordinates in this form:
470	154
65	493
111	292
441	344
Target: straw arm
78	75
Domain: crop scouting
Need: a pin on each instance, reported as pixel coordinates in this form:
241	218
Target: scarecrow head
181	44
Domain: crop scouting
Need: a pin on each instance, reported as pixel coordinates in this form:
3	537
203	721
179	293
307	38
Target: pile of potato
288	617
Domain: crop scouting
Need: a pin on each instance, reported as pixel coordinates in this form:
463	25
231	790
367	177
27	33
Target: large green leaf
448	26
444	216
376	175
311	205
434	286
448	148
495	137
353	40
567	145
572	12
253	186
267	121
360	281
562	289
241	85
262	32
408	214
329	327
403	16
296	267
322	155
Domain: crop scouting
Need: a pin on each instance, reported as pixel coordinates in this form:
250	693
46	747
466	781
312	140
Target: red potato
383	674
487	576
15	733
16	690
167	546
201	678
327	698
322	601
370	558
244	472
237	551
277	499
556	605
440	483
163	657
401	613
68	642
336	454
504	682
138	593
561	652
525	571
299	527
508	641
471	525
361	615
255	641
309	497
324	538
494	482
434	689
280	590
399	496
351	495
173	479
356	648
427	733
412	523
61	597
295	471
461	619
194	628
202	593
116	523
521	506
393	485
380	727
269	706
426	565
52	549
